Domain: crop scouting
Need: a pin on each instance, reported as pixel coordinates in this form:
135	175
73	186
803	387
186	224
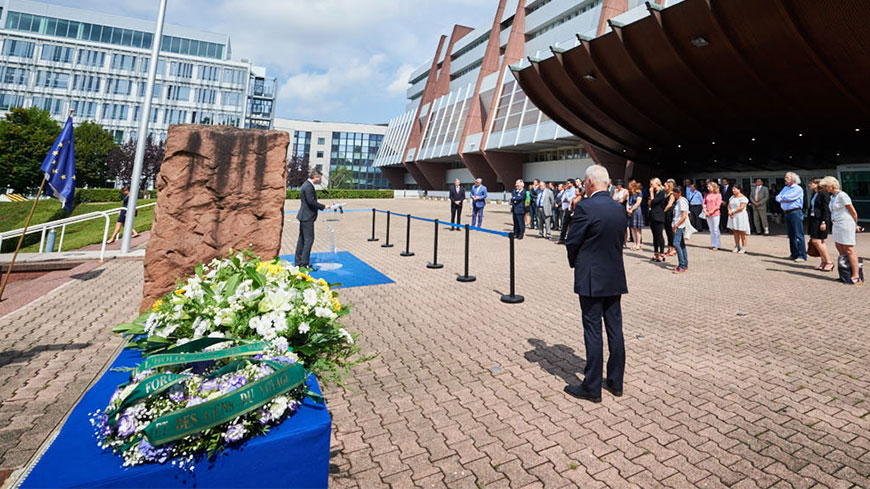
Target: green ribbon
197	345
165	359
148	387
195	419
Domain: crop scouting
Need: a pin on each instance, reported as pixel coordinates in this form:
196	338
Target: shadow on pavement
21	356
558	360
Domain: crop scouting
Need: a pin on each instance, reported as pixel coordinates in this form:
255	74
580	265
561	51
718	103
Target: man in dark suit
518	211
457	196
594	246
306	216
727	192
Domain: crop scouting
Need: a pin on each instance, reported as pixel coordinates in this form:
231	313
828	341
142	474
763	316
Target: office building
329	145
58	59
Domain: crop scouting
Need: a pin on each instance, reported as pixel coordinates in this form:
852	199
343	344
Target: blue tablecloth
293	454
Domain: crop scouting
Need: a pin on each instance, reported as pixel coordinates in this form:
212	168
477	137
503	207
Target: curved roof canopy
734	84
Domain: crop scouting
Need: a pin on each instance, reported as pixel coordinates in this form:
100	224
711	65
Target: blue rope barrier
450	224
332	211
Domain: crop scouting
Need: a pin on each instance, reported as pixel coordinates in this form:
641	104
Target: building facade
62	59
329	145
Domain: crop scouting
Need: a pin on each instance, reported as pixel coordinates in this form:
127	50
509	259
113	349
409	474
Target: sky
335	60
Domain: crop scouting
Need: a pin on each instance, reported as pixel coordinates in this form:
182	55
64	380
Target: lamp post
143	130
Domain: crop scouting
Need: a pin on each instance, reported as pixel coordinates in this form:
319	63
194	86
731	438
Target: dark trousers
519	225
694	213
669	229
658	230
794	225
557	218
723	222
476	216
455	214
610	308
533	209
303	243
566	220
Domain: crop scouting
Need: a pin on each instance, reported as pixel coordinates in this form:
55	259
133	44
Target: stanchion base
373	239
386	245
466	278
512	299
406	253
434	265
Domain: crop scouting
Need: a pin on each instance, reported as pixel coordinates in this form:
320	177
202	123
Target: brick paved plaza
747	371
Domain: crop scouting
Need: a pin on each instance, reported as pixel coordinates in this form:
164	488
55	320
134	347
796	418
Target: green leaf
232	285
258	278
143	318
199	270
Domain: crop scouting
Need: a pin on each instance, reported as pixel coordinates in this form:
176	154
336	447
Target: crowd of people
673	213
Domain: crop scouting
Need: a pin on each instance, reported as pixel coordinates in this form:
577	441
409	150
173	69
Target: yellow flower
269	268
157	304
321	282
180	292
336	305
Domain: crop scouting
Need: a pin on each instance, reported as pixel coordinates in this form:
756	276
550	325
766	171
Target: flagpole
143	131
21	239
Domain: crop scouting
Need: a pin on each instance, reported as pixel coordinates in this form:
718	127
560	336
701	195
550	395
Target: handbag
689	230
812	250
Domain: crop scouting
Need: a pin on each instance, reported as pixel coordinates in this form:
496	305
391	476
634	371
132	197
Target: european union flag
60	167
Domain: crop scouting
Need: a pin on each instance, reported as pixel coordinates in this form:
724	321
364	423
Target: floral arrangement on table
210	346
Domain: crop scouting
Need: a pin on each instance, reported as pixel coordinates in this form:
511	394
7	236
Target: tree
340	177
297	171
26	135
121	161
93	146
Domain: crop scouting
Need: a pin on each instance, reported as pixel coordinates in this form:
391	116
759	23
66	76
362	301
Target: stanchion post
435	263
374	213
512	298
466	277
387	243
407	251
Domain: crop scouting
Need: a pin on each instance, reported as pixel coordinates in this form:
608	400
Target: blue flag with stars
60	167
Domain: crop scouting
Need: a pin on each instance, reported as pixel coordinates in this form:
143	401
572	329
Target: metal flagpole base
374	239
406	253
434	265
466	278
386	245
512	299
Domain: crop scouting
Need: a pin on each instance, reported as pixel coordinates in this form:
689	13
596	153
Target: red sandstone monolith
219	188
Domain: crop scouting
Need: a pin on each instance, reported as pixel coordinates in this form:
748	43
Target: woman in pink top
712	203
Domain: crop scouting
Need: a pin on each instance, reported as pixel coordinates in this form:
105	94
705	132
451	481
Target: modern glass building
329	145
61	59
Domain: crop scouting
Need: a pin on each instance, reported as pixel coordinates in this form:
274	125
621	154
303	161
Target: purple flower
208	385
103	426
262	371
177	395
265	416
292	406
282	358
233	384
199	368
234	433
142	375
126	426
193	401
154	454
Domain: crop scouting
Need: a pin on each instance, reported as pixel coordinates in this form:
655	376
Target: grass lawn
13	215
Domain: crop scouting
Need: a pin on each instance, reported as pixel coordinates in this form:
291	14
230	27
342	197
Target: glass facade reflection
356	152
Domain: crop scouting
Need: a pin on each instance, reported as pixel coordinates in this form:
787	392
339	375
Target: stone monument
218	188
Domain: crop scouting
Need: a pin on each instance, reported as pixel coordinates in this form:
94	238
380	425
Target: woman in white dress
738	219
844	218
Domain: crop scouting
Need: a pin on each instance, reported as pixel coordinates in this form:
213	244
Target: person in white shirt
681	215
844	220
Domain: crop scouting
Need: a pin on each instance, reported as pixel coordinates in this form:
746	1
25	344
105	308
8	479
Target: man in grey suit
544	205
306	216
760	195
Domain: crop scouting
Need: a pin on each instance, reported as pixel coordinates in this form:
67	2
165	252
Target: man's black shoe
561	241
608	388
579	393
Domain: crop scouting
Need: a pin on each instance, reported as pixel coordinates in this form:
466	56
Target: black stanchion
466	277
512	298
407	251
435	263
374	213
387	243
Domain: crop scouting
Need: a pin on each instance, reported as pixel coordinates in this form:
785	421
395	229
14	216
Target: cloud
399	86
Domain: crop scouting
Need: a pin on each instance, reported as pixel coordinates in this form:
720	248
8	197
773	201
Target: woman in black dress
670	183
819	223
657	203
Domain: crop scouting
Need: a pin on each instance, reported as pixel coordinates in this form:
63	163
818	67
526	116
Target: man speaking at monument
306	216
594	246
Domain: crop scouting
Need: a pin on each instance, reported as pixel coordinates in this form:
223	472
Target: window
178	92
138	109
158	90
15	76
52	79
84	109
174	116
228	120
9	100
202	118
115	112
54	106
119	86
205	96
320	154
192	47
123	62
181	70
259	106
210	73
86	83
58	54
90	57
233	99
19	49
234	77
321	141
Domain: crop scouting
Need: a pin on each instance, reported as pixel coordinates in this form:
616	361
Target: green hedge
104	195
293	194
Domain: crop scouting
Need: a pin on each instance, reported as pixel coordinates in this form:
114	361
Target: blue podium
293	454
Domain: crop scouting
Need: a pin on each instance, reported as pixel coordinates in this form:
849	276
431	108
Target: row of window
95	58
118	36
561	20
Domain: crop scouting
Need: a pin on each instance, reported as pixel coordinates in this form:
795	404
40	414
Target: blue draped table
293	454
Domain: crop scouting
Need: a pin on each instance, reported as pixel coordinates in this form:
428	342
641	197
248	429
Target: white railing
493	197
47	227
